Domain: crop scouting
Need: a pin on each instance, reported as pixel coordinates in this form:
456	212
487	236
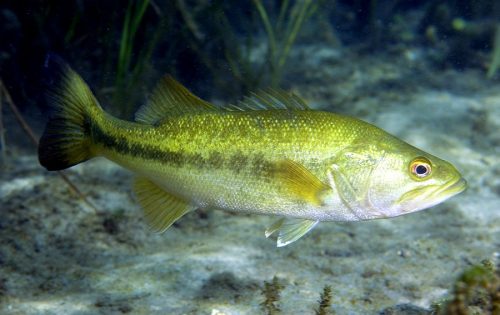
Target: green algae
325	302
272	294
476	291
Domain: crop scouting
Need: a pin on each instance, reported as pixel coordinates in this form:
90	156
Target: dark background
192	41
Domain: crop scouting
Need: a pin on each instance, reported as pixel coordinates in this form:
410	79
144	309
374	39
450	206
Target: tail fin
66	140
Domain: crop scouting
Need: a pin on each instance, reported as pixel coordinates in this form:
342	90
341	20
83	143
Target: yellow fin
170	98
160	207
270	99
300	182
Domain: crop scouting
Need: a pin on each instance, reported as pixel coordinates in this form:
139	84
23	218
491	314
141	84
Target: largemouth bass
269	154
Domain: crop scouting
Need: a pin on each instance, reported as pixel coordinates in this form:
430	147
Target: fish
268	154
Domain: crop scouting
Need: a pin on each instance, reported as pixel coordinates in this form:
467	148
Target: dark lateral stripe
215	160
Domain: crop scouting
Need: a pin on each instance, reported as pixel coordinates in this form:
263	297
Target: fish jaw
429	196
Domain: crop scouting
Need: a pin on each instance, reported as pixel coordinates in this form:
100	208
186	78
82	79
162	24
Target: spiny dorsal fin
170	98
160	207
290	230
270	99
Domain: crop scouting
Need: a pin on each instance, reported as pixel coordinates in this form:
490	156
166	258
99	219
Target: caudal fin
66	140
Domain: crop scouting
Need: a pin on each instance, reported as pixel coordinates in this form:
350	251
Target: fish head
406	179
390	178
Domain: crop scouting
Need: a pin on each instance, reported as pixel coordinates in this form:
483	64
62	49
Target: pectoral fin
161	208
300	182
290	230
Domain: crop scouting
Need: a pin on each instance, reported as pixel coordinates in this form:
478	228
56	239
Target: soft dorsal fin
170	98
270	99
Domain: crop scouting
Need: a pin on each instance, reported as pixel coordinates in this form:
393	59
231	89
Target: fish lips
426	197
450	189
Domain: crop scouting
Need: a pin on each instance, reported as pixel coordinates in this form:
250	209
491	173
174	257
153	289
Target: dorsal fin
170	98
270	99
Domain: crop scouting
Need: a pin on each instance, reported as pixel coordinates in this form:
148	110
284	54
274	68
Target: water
417	69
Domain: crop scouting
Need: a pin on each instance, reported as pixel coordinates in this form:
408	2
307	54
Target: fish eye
420	167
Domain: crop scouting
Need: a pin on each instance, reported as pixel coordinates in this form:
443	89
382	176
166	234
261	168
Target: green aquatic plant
476	291
495	59
128	71
133	17
281	30
283	33
71	30
272	294
239	69
3	145
325	302
272	299
239	59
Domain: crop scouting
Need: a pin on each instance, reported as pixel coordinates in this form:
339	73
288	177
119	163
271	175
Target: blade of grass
3	145
269	29
282	36
124	42
296	24
282	14
495	62
126	74
131	24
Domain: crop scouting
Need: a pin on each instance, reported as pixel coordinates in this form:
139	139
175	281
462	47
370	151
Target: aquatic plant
128	71
3	148
325	302
495	59
476	291
272	294
69	35
283	33
133	17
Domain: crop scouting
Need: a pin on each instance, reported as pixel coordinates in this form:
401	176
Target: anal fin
290	230
161	208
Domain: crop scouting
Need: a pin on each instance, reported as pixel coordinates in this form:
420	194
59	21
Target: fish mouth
420	199
450	189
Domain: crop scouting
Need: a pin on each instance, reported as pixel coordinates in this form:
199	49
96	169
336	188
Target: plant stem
284	33
131	24
269	29
292	35
3	145
495	61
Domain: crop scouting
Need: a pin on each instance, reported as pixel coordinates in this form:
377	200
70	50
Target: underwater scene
250	157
